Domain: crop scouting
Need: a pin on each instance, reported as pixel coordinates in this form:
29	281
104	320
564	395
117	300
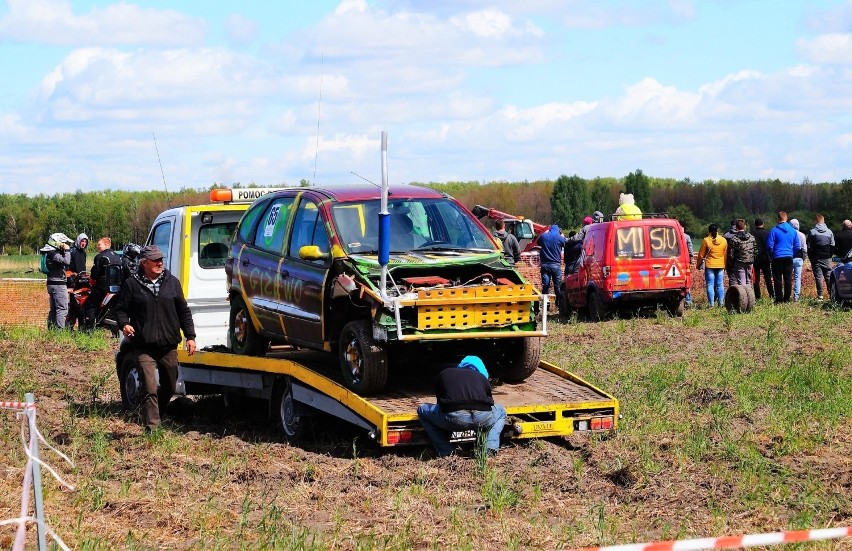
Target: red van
629	264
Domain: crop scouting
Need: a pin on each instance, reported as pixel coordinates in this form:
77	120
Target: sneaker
819	297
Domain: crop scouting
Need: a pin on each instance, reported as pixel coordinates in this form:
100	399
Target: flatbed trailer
298	383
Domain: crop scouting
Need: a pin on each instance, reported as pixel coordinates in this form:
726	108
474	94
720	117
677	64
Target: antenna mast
169	201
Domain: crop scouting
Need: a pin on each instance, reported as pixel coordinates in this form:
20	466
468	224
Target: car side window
248	220
273	225
308	229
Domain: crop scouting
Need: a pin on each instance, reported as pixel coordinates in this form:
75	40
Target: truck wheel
289	414
244	338
363	362
132	387
597	308
519	358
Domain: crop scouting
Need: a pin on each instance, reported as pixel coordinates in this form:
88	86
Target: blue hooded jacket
474	363
783	241
551	242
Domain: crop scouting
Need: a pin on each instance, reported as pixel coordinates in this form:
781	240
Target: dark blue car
840	285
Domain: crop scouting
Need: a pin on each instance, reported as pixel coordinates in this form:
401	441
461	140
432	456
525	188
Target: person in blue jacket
782	245
552	244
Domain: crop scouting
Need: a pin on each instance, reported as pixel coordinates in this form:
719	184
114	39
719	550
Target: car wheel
597	308
241	331
288	413
363	362
518	359
833	294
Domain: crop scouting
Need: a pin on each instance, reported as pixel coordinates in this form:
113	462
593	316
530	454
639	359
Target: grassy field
20	266
732	424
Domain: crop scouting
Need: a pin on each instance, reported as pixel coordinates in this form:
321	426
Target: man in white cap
151	313
58	257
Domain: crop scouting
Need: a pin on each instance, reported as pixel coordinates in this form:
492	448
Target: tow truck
298	383
524	229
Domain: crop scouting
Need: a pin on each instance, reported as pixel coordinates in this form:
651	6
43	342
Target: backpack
43	264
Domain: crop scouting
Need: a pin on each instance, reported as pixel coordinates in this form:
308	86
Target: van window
664	242
630	242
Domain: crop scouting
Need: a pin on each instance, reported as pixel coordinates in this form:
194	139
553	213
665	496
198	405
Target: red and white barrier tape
729	542
16	405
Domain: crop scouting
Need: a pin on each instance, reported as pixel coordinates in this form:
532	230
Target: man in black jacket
464	403
105	258
843	239
152	312
762	262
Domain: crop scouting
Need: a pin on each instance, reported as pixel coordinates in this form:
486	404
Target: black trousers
782	278
765	267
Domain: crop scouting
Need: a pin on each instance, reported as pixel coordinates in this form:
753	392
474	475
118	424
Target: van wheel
677	307
288	413
597	309
363	362
519	359
244	338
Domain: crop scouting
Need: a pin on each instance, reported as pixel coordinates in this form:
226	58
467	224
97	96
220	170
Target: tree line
27	221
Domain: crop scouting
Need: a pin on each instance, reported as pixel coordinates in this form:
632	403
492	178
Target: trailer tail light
399	437
595	423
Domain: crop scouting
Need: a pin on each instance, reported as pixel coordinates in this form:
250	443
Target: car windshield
415	224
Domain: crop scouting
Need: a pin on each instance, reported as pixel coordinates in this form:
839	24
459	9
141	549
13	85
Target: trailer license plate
462	435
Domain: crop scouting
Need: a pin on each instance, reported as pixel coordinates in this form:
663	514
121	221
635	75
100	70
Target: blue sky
467	90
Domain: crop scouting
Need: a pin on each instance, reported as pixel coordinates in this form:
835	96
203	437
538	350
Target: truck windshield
414	224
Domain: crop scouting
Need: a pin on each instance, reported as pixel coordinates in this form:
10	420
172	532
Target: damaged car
304	271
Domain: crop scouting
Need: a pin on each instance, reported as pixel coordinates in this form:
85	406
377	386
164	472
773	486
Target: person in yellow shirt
712	256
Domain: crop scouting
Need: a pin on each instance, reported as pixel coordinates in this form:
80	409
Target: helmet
57	239
132	250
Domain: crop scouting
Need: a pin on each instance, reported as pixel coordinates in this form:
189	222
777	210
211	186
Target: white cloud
53	22
241	30
830	49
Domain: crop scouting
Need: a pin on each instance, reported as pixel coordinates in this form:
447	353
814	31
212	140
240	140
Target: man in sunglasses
152	312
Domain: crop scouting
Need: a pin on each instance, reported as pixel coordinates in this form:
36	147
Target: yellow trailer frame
551	402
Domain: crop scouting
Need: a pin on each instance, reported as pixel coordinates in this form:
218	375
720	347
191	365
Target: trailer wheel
363	362
518	359
289	413
244	338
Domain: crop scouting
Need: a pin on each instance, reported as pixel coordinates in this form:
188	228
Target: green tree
601	196
570	201
712	206
640	186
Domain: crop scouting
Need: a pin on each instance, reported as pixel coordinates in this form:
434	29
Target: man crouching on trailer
464	403
152	312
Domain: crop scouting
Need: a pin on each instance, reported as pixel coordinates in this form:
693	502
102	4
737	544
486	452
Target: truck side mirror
312	252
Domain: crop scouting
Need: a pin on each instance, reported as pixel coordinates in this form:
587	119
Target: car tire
736	299
363	362
677	307
749	289
289	415
833	294
520	359
597	309
241	332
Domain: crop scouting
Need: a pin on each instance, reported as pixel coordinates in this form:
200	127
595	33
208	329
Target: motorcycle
103	314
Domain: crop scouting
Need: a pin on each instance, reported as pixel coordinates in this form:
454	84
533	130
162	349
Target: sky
153	94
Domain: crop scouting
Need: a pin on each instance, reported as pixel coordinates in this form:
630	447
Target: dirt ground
220	478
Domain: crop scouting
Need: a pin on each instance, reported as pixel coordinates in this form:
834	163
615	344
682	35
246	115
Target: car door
260	261
301	281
